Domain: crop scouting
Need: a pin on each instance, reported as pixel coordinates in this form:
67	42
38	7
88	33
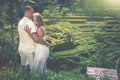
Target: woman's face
35	20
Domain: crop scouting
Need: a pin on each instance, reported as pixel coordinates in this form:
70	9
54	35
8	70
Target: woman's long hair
39	19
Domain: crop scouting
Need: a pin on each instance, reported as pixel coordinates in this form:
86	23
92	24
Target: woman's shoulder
42	28
41	31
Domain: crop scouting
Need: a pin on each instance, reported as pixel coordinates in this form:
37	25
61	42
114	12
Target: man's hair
27	8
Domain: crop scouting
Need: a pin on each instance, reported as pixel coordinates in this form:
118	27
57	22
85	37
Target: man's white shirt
26	43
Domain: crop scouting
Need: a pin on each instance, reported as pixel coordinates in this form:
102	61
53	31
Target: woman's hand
27	29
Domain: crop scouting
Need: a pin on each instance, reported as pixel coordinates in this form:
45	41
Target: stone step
112	30
110	26
74	21
68	17
112	22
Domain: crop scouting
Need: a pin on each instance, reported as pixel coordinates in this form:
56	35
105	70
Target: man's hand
27	29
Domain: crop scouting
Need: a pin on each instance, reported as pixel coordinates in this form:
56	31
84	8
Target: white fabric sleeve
33	27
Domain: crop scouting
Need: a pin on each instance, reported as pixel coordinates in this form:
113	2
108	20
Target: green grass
73	20
71	17
66	75
9	74
77	50
84	34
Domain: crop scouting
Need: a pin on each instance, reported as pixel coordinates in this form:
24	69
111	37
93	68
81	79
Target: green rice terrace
90	39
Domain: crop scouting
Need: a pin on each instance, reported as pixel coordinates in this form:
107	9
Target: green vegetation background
81	34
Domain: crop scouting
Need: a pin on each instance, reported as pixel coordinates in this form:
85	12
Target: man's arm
35	36
37	39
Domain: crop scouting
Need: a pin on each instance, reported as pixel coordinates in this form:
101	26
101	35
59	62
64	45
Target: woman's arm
35	36
41	32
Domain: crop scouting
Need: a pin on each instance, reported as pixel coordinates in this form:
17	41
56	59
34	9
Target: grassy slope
83	33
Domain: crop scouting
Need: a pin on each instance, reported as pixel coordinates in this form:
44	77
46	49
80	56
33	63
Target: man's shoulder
21	20
29	21
26	21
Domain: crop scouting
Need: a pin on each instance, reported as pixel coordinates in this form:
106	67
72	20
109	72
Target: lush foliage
90	39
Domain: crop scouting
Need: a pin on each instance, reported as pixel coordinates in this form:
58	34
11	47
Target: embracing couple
33	48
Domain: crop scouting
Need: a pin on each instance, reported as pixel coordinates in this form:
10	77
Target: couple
33	48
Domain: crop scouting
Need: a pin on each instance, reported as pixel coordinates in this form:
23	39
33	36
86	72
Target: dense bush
8	56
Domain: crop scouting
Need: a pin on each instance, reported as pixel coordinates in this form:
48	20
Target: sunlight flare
114	3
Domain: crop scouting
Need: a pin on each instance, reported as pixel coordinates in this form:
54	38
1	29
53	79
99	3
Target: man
27	43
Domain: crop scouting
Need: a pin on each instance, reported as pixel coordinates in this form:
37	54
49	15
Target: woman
42	51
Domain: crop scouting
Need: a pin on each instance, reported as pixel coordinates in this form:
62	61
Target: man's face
30	12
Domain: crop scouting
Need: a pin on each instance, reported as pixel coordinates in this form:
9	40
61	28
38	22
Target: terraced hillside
84	28
81	41
96	39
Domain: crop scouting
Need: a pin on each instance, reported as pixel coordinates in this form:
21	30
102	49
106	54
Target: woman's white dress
40	59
